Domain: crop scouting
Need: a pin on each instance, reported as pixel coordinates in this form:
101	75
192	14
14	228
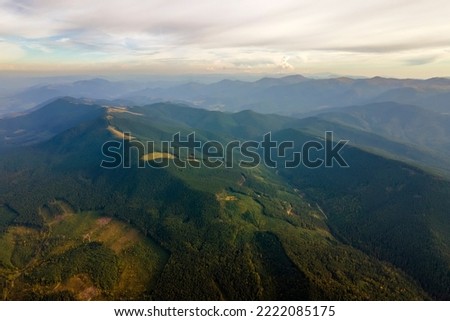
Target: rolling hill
374	231
47	121
404	132
404	123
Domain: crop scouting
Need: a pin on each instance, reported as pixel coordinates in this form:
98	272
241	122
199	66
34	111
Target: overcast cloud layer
375	37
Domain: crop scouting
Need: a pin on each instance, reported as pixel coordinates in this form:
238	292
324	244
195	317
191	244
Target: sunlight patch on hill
121	110
157	155
117	133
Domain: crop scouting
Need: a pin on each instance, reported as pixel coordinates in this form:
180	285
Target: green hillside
69	228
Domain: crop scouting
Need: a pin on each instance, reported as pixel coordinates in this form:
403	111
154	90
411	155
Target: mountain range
299	95
289	95
375	230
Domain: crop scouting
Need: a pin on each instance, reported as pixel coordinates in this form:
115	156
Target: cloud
285	64
291	34
421	60
10	52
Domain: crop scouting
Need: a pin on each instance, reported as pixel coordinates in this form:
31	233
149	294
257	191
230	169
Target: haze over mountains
297	94
377	230
286	95
412	132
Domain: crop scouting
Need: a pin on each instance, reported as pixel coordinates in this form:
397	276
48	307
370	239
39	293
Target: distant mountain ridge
297	94
286	95
96	88
395	121
51	119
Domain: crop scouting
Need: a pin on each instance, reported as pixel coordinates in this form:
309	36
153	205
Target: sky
396	38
